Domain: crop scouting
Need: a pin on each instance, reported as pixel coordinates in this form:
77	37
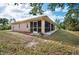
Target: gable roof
35	18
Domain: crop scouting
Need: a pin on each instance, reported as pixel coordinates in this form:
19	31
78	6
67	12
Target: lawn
65	37
60	43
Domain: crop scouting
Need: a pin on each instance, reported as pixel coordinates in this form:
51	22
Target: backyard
60	43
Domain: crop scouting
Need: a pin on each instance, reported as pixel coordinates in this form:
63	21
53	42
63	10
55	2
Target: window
47	26
27	25
52	27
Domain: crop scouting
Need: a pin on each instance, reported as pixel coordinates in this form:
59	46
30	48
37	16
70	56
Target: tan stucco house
41	24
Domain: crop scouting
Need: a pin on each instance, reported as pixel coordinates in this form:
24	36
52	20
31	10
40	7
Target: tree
3	21
58	23
12	20
37	8
53	6
4	24
72	20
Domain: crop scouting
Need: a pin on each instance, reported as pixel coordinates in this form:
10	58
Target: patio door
35	26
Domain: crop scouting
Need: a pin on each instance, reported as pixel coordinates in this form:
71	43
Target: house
41	24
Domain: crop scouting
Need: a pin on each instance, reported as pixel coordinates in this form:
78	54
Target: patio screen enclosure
36	26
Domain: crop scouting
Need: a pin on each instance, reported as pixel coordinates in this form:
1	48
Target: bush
6	27
4	24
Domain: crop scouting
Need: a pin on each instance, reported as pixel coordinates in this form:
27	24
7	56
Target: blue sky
58	13
22	11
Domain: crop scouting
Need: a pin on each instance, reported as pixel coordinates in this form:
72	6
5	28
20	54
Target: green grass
61	42
65	37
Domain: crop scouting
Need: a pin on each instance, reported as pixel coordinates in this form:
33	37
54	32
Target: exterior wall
43	26
23	27
15	27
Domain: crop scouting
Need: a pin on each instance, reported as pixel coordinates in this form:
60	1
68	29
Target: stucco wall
21	27
15	27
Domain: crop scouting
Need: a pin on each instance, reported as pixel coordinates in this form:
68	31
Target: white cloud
12	11
65	9
53	16
57	9
61	18
22	11
62	10
48	12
